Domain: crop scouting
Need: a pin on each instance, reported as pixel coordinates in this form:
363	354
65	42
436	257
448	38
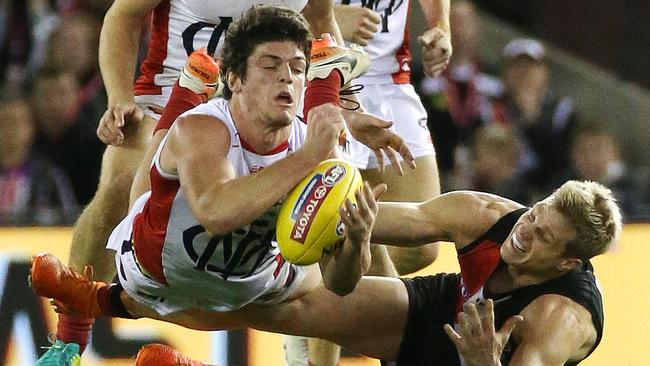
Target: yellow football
308	223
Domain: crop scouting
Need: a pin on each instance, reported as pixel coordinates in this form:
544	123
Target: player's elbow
341	289
341	285
215	221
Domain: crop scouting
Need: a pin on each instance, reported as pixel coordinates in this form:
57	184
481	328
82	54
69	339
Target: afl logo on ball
333	175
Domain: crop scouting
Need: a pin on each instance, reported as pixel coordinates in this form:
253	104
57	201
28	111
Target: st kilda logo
311	199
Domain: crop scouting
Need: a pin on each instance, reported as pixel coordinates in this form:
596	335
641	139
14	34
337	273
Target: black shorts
432	303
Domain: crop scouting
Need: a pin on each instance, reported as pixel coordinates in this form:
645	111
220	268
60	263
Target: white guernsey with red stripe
166	259
179	27
387	91
389	52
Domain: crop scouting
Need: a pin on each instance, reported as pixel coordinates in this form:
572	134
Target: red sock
180	101
74	328
110	301
321	91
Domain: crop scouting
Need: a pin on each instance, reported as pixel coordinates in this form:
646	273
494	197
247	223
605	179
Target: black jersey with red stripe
437	300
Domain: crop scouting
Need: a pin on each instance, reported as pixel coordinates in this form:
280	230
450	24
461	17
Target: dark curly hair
260	24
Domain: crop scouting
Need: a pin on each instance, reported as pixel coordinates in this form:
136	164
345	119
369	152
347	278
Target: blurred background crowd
498	123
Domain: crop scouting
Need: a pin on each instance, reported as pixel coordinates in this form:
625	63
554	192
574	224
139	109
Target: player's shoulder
559	317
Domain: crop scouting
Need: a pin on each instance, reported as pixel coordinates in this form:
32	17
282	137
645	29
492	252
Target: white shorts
189	288
399	104
153	104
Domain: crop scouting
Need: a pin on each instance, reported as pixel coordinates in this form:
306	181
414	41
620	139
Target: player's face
538	240
274	81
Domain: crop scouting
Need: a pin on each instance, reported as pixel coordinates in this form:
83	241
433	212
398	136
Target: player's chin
282	118
286	113
509	255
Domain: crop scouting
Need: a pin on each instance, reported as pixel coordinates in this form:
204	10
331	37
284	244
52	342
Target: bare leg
416	185
110	203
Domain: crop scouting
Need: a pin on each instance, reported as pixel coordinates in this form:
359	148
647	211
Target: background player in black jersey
525	271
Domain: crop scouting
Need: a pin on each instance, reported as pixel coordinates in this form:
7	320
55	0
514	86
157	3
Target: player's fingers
362	204
426	39
380	159
345	218
363	36
464	325
359	40
474	318
402	147
434	59
372	16
436	69
378	191
353	211
107	131
394	160
138	113
488	318
454	337
118	117
509	326
370	24
380	123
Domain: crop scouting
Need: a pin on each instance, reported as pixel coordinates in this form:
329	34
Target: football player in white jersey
203	235
178	28
382	26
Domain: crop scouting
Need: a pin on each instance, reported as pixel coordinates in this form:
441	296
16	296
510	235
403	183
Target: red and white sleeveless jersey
179	27
389	52
227	271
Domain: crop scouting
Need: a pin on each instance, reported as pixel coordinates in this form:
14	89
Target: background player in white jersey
382	26
178	28
203	239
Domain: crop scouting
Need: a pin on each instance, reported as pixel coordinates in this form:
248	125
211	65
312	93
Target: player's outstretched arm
118	48
458	217
346	265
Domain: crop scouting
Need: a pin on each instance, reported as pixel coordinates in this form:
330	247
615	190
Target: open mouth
284	98
517	245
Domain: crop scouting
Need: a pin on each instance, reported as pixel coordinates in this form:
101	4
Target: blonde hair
593	211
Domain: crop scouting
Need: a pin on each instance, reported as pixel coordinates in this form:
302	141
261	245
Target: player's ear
569	264
234	82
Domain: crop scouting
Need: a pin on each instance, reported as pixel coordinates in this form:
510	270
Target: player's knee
409	260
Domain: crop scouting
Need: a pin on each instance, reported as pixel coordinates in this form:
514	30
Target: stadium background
599	59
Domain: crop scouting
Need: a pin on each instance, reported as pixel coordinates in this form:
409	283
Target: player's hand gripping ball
309	223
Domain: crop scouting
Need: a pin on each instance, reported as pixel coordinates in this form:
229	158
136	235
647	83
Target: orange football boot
201	74
156	354
326	56
74	293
